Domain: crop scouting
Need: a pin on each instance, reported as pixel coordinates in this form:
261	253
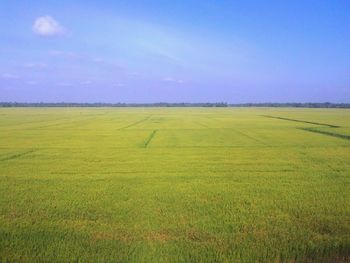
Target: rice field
174	185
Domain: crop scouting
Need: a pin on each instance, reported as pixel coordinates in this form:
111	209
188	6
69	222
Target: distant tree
182	104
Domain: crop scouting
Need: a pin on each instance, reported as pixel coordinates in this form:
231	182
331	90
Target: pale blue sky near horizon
175	51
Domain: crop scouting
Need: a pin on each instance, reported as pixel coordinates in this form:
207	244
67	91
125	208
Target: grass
174	185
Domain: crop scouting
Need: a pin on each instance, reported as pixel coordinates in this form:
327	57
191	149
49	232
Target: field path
315	130
17	155
333	134
295	120
135	123
150	138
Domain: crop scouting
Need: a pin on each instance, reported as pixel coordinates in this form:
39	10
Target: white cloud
35	65
64	84
9	76
47	26
65	54
170	79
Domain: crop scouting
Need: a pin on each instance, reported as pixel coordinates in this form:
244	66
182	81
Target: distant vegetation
183	104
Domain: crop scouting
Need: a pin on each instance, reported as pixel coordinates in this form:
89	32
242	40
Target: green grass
174	185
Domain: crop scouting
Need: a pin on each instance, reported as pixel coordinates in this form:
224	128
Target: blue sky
175	51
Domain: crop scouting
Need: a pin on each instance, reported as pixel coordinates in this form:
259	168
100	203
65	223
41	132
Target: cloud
35	65
64	84
65	54
170	79
47	26
10	76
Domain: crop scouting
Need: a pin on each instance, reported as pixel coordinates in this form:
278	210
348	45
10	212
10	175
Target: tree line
184	104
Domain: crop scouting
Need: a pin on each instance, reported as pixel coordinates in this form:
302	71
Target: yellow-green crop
174	185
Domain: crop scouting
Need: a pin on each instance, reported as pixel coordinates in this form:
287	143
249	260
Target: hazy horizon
157	51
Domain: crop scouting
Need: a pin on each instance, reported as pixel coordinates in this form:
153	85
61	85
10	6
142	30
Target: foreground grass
174	185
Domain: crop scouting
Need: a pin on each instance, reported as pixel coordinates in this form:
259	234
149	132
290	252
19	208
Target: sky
149	51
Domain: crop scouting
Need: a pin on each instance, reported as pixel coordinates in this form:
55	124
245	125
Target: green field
174	185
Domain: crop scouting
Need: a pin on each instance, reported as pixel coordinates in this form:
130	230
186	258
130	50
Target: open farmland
174	185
